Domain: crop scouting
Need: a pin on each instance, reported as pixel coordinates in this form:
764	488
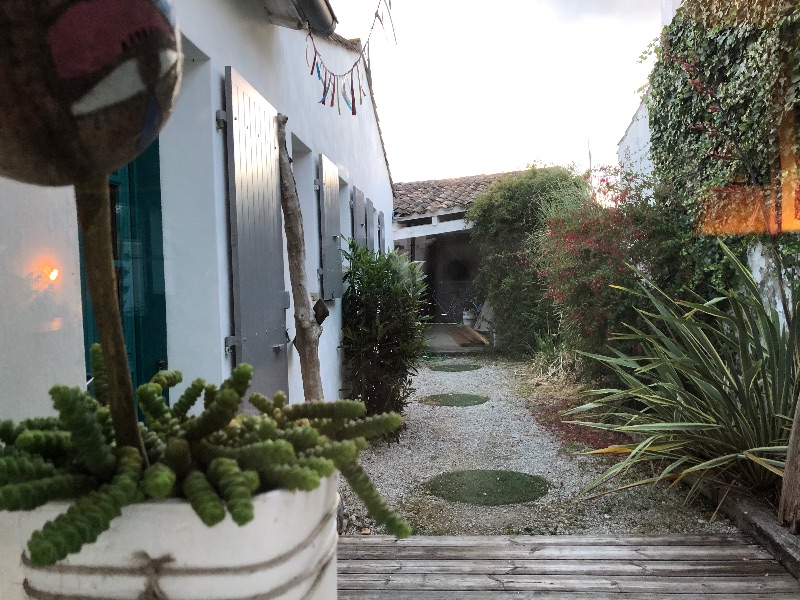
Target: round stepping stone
488	488
454	400
445	368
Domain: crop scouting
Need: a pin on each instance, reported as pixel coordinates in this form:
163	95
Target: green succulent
216	459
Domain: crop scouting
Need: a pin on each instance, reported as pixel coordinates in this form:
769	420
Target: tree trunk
308	330
94	217
789	507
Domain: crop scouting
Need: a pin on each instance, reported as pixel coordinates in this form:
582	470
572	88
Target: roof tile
440	195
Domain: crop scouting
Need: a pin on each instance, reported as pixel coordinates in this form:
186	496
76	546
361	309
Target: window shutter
381	233
370	226
256	236
330	229
359	217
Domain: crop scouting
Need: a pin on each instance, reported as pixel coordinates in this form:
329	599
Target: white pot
287	552
469	318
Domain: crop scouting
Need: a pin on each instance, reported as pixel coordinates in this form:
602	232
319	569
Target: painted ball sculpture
85	85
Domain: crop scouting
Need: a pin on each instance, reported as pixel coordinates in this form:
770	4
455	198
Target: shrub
584	255
502	220
383	327
712	394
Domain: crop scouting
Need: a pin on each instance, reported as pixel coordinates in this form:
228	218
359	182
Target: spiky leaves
204	499
235	488
27	495
189	398
711	391
376	506
158	481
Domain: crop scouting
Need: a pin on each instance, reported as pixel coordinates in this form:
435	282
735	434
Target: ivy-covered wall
726	73
715	102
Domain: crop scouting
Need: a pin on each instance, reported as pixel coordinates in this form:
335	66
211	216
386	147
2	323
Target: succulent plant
217	459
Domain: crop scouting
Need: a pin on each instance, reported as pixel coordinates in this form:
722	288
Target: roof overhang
415	226
315	15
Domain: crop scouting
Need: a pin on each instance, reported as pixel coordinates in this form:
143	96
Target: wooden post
308	330
94	217
789	506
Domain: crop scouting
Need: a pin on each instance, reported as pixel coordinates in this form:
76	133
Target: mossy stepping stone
488	488
445	368
454	400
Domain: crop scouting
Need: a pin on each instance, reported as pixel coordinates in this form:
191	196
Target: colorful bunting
336	83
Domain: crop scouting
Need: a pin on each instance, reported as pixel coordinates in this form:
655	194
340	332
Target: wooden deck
673	567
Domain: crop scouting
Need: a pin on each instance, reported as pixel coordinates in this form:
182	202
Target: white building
202	254
633	150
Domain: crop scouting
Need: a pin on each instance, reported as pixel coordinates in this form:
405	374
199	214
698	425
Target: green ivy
716	97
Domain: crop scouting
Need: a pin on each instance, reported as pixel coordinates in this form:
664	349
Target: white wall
41	327
273	60
634	148
668	8
193	204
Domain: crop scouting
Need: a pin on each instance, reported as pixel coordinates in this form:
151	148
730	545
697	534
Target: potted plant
220	462
469	316
133	483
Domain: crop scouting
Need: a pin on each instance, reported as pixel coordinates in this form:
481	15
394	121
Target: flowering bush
585	254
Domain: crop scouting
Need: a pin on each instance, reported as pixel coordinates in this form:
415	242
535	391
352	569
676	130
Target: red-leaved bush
586	252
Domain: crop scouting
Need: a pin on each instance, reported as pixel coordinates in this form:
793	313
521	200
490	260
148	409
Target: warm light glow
53	275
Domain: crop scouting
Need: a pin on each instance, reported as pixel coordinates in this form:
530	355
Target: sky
474	87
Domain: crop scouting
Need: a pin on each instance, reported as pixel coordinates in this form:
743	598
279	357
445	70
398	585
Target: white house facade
203	280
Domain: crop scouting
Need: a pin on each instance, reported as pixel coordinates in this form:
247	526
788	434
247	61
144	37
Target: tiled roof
440	195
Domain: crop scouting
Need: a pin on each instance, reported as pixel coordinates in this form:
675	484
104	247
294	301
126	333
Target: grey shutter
257	261
330	229
381	233
370	226
359	217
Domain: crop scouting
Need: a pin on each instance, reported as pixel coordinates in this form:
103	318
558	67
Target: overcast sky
477	87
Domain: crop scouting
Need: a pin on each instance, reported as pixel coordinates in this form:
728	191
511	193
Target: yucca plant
711	396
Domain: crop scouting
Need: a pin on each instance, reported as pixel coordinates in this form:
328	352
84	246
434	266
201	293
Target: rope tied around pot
154	569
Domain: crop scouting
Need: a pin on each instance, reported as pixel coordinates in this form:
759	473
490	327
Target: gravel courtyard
502	434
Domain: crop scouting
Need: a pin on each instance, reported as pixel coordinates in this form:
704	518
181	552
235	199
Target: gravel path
502	434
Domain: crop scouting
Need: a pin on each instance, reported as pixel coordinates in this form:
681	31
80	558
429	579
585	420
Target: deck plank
545	552
758	568
550	540
559	567
572	583
546	595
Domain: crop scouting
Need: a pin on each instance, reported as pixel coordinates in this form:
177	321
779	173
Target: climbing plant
718	96
723	109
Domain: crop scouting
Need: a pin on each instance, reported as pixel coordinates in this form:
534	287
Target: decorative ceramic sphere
85	85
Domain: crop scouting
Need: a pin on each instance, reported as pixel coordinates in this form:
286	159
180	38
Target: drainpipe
318	14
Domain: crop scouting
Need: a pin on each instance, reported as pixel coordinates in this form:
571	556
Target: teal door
135	195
